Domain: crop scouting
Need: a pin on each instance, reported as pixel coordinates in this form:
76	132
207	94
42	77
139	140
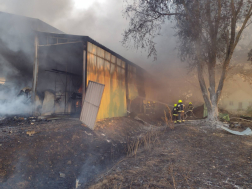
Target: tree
208	32
250	56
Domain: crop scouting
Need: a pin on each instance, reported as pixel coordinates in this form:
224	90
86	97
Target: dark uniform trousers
181	113
175	114
175	118
190	110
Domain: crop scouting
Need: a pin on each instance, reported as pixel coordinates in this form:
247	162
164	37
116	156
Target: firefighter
190	110
175	113
181	113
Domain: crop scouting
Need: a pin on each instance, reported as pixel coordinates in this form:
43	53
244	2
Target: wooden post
84	76
128	102
35	75
66	96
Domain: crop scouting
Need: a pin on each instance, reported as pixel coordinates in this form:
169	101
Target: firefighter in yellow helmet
175	113
181	112
190	110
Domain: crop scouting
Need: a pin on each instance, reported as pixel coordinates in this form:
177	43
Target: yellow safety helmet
175	105
180	101
190	103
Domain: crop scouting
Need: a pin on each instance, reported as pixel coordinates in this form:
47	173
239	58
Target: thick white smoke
12	104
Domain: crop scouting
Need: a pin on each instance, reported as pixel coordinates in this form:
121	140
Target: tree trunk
203	86
213	114
221	84
211	103
209	98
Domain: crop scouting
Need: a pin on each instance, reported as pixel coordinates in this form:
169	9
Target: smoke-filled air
125	94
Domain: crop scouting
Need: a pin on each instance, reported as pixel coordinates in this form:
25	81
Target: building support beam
84	76
35	75
128	103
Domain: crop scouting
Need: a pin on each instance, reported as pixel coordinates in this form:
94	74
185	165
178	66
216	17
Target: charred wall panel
102	67
60	74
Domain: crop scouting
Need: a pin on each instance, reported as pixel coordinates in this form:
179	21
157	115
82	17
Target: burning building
58	67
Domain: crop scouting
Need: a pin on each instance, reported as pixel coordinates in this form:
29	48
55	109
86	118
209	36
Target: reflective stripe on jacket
181	107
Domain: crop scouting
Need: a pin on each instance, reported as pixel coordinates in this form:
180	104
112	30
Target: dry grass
147	141
114	182
168	118
188	157
168	122
168	177
173	179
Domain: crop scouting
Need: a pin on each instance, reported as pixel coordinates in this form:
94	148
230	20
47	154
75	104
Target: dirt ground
121	153
187	156
54	154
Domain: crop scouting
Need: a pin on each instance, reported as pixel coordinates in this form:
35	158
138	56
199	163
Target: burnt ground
122	153
54	154
188	156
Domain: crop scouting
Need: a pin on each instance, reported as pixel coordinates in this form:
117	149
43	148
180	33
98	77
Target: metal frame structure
45	39
58	82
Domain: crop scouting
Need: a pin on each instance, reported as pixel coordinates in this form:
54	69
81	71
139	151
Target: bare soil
121	153
54	154
188	156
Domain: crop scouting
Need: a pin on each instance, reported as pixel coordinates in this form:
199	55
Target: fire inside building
58	67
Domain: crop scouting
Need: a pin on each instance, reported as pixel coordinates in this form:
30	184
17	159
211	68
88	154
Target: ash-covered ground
53	154
121	153
188	156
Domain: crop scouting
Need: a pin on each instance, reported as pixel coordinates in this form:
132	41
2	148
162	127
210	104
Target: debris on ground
77	184
69	162
185	157
24	120
88	133
246	117
30	133
140	120
63	146
62	175
235	124
122	153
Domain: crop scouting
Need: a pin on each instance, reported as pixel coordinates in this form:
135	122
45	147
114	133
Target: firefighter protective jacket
190	107
180	107
175	110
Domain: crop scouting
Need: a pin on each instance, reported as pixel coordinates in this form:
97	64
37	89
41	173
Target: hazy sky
102	20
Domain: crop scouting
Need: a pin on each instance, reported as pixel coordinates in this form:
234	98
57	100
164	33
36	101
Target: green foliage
224	116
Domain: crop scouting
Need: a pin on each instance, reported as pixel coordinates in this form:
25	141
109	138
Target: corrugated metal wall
132	82
104	68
